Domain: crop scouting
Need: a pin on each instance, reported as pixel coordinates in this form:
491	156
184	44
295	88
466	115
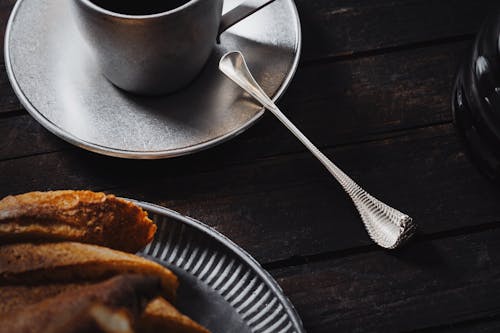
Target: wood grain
8	101
435	283
285	206
346	27
488	324
24	136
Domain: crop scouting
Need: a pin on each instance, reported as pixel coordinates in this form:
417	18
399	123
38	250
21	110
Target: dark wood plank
285	206
479	325
334	104
23	136
428	284
349	99
333	28
8	100
5	9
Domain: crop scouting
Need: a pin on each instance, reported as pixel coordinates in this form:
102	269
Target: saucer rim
134	154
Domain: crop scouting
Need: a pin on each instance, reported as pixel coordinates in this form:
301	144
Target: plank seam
386	135
419	238
387	50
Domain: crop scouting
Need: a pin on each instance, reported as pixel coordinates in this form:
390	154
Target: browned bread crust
57	277
82	216
161	316
14	298
69	311
71	262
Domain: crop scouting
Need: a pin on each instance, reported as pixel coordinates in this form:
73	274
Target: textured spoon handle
387	226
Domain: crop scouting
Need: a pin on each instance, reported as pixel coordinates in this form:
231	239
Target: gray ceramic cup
158	53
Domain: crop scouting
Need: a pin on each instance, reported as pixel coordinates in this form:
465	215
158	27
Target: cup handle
240	12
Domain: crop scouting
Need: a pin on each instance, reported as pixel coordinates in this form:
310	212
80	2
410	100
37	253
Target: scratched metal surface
55	76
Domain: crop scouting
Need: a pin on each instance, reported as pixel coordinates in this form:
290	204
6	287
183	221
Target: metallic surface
244	9
159	53
57	79
150	54
221	286
387	226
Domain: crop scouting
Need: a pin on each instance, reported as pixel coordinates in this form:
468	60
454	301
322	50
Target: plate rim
132	154
237	250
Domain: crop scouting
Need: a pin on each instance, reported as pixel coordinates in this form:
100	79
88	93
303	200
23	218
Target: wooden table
373	91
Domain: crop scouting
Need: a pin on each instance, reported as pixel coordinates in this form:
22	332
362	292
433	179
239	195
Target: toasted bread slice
108	320
82	216
161	316
74	310
14	298
71	262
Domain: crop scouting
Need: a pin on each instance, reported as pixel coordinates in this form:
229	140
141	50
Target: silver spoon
387	226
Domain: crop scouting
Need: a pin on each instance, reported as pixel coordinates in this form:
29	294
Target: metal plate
221	286
54	75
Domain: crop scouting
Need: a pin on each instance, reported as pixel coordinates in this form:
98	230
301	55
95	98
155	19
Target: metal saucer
53	73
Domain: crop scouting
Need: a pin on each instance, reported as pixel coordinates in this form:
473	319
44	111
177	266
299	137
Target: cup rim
108	12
